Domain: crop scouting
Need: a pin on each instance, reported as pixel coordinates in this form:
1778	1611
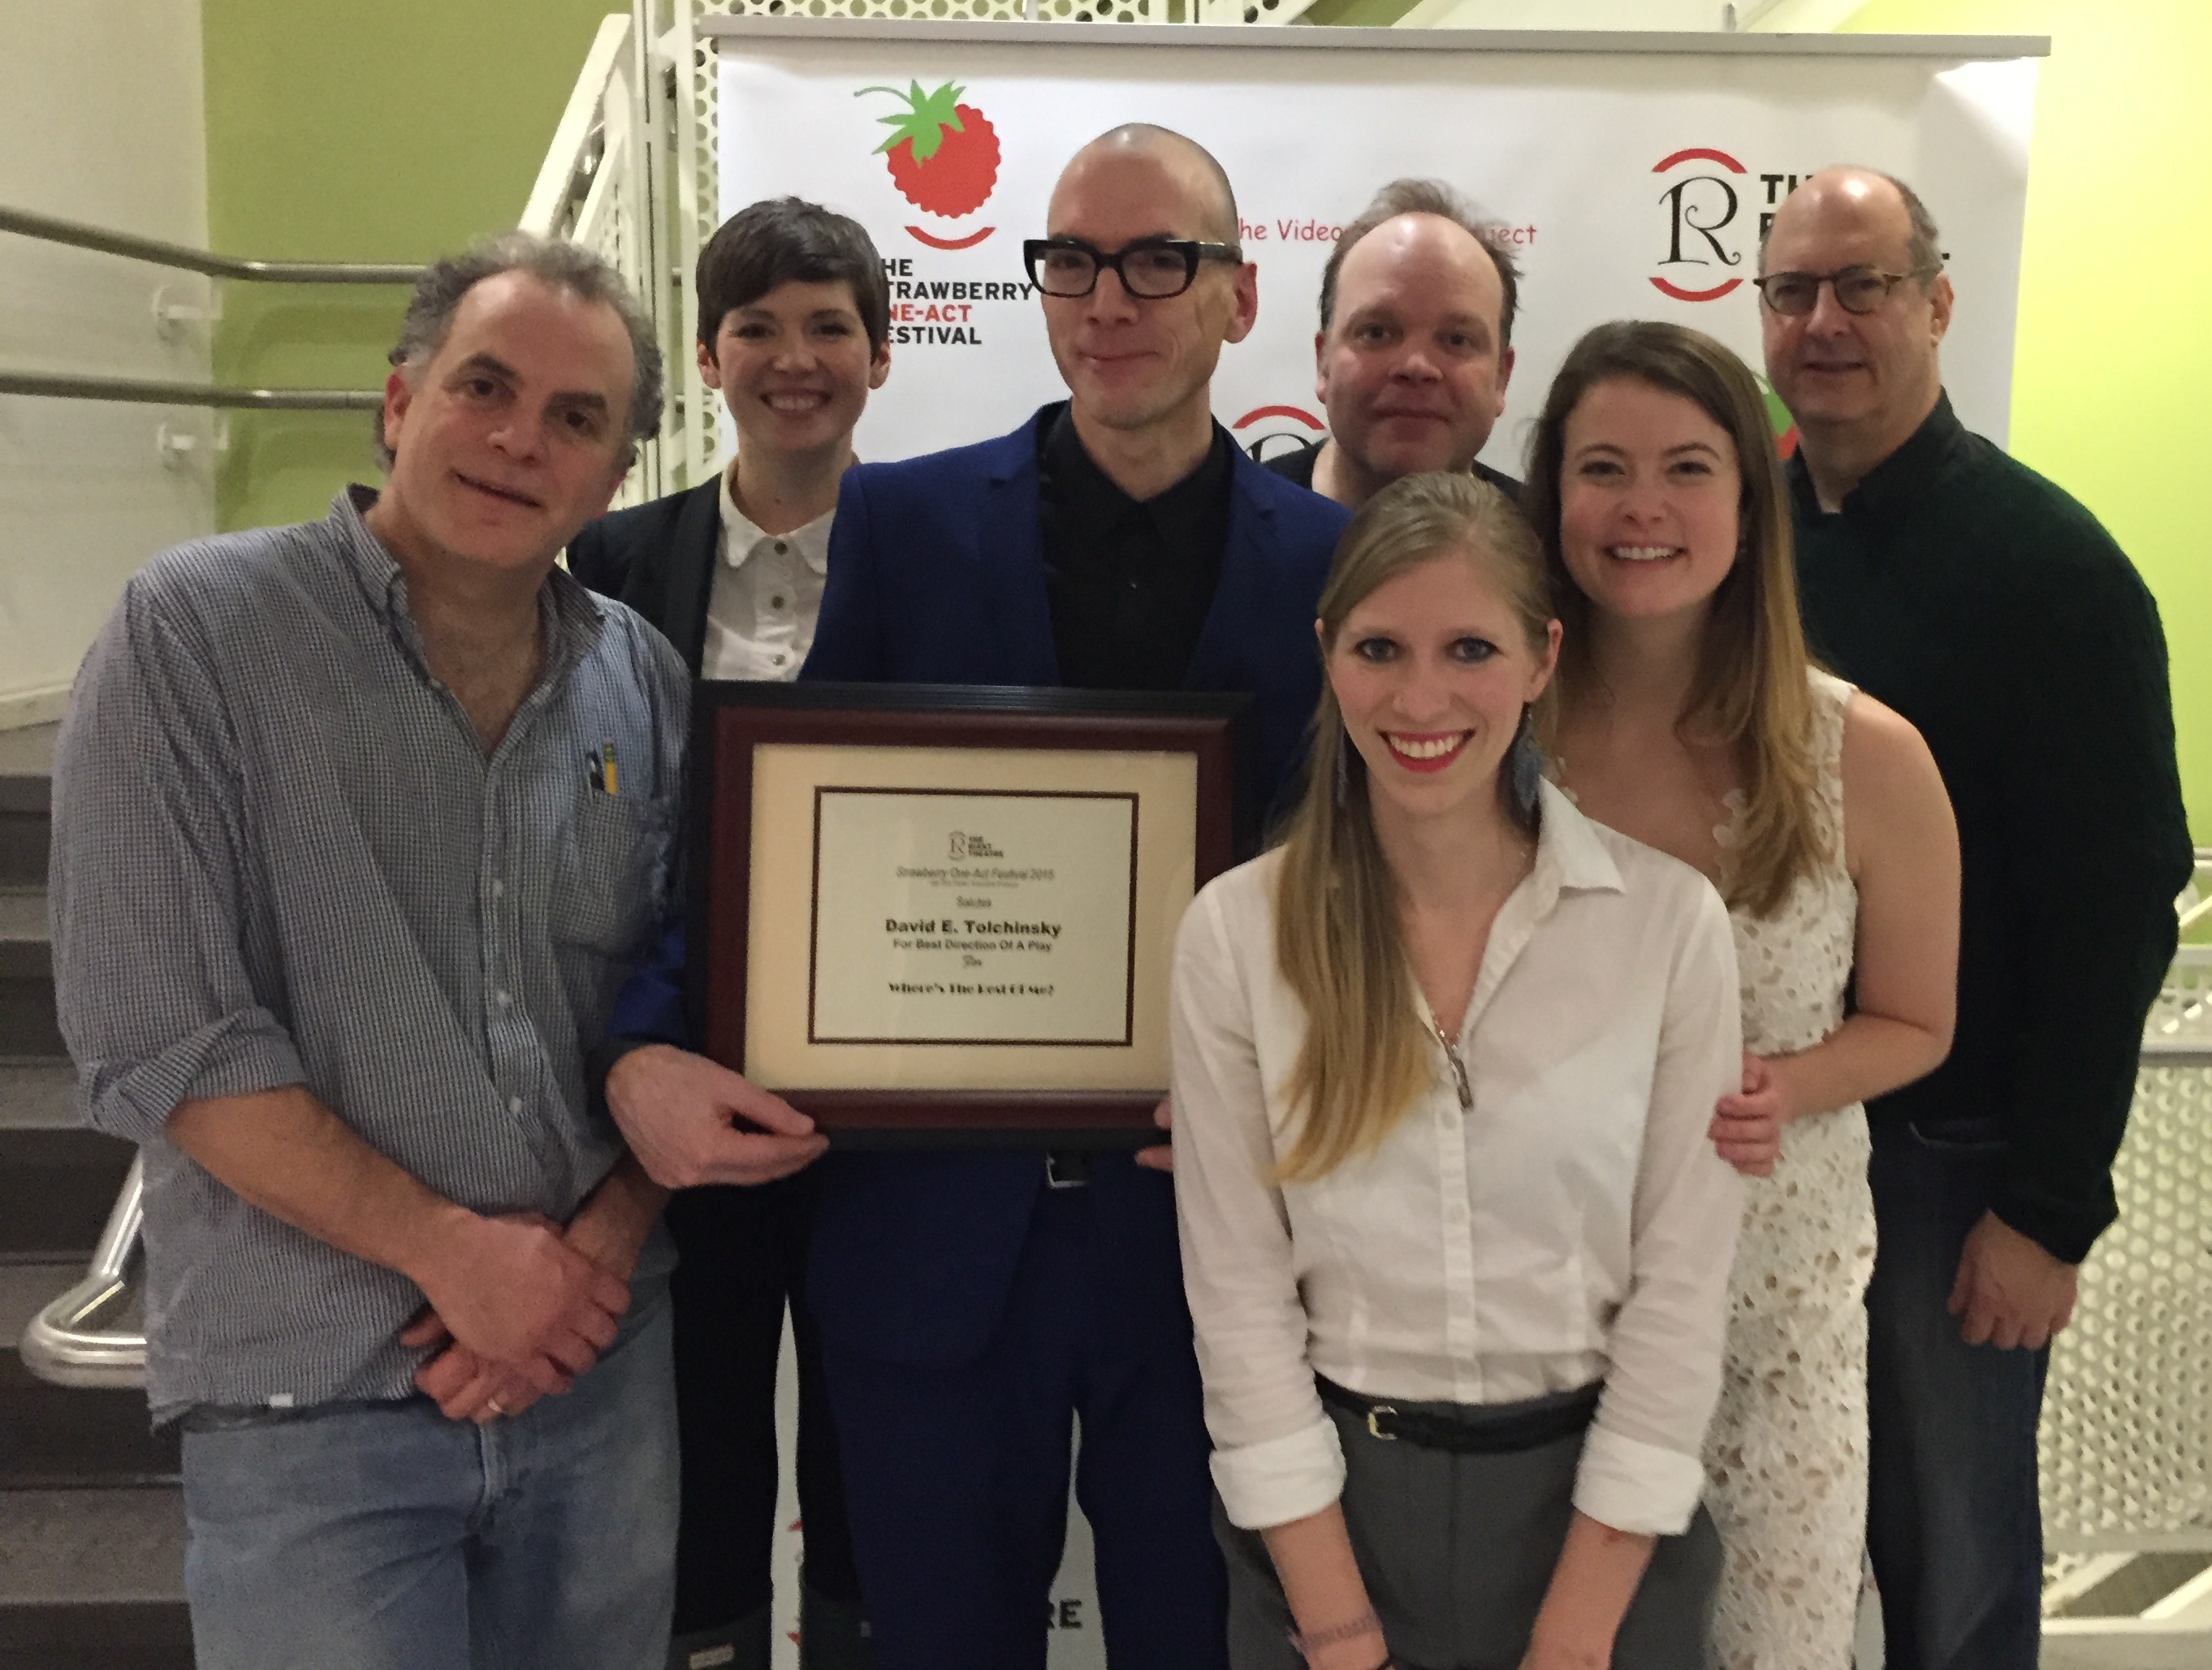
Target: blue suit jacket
937	577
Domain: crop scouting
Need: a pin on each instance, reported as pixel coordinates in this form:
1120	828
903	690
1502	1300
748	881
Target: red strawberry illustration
942	155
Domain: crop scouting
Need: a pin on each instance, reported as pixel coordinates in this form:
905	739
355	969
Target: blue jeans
1954	1521
382	1536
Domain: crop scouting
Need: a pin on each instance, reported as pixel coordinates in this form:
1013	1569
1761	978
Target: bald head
1869	199
1194	167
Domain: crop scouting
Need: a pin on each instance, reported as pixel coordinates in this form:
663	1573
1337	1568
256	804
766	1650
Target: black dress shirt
1129	582
1986	606
1297	464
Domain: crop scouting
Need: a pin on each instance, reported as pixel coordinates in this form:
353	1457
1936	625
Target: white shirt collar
740	538
1569	852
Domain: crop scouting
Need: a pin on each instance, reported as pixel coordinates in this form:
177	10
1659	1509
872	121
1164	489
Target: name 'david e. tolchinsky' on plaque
973	918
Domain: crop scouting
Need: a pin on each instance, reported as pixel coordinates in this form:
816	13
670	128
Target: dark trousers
1954	1525
957	1477
1456	1552
744	1253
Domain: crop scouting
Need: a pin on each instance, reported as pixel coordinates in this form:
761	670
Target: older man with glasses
977	1308
1988	607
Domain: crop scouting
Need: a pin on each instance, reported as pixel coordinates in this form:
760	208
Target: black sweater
1991	609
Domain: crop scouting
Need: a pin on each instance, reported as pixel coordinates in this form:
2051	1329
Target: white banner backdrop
1633	174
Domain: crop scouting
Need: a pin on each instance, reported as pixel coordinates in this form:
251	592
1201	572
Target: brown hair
1429	196
783	240
1337	941
1750	691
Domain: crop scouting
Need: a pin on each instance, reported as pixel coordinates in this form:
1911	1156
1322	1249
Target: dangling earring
1343	764
1526	760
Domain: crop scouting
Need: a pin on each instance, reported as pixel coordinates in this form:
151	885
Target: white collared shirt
766	596
1575	1224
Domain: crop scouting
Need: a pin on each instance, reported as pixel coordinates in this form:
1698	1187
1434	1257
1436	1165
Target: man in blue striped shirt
358	827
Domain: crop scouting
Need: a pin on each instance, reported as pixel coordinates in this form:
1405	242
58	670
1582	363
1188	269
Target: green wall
394	131
2115	340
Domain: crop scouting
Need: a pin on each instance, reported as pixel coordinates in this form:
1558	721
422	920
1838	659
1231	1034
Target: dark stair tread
27	767
28	1030
108	1635
57	1187
27	951
53	1437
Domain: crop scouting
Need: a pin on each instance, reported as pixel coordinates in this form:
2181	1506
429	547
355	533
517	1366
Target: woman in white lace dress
1691	719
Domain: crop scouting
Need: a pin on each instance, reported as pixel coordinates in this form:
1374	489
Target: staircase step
28	1031
57	1187
75	1546
27	951
55	1438
27	1289
93	1580
27	764
103	1635
38	1096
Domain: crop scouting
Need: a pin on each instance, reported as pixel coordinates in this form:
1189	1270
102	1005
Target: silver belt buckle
1077	1177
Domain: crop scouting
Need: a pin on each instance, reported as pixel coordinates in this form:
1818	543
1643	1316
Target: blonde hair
1364	1060
1750	691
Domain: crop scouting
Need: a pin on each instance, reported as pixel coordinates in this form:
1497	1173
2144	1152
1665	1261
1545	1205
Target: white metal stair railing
595	188
70	1342
2126	1438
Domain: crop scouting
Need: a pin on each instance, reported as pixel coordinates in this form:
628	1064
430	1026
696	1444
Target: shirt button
504	999
781	547
775	603
514	1104
499	889
781	657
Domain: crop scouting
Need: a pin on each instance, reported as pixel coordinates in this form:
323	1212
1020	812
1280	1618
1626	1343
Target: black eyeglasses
1151	269
1858	289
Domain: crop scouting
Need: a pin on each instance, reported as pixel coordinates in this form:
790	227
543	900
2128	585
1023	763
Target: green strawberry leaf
924	123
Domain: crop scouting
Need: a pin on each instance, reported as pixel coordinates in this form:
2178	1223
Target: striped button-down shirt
281	857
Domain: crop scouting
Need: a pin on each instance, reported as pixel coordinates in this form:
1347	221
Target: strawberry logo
943	155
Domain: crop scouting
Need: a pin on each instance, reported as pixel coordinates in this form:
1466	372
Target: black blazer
660	559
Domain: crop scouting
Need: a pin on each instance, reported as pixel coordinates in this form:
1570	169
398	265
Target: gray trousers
1457	1552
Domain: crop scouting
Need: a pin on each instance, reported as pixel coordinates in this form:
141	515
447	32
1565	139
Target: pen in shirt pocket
600	766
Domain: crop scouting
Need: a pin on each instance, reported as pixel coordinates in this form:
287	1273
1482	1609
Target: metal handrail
148	392
78	235
63	1343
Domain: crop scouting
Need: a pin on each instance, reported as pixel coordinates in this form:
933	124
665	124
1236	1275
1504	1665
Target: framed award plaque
946	915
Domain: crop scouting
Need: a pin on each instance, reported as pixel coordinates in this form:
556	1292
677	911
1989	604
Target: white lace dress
1786	1454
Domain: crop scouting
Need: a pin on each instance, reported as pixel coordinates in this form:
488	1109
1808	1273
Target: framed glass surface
946	915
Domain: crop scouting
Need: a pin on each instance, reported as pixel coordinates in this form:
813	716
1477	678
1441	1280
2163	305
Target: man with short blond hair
1415	346
1990	609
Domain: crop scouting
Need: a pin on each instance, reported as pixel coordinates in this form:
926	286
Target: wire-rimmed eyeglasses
1151	269
1858	289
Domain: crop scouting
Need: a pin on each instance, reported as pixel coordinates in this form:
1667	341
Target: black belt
1477	1433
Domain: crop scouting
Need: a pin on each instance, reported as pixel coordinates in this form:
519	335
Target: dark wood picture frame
730	720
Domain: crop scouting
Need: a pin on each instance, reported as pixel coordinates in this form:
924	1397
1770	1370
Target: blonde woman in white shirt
1454	1238
1687	715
